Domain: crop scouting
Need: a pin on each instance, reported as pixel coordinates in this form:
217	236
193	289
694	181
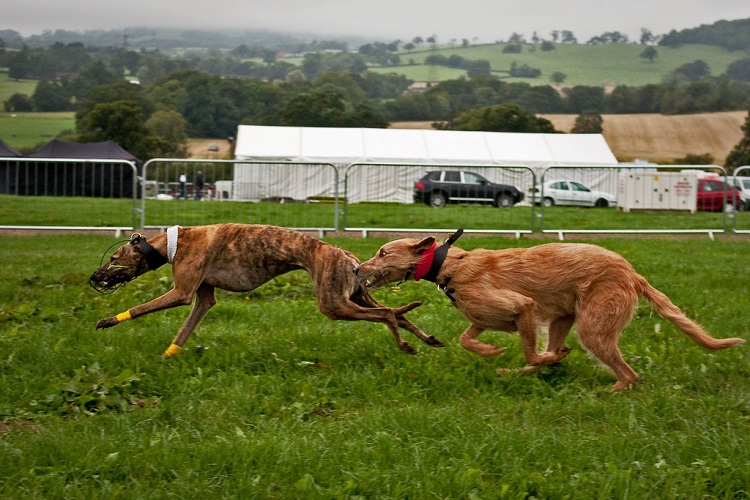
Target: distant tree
588	122
548	46
557	77
524	71
409	46
18	103
417	40
328	108
649	53
170	126
122	122
583	97
568	37
51	96
694	71
508	117
740	154
647	37
555	36
512	48
739	70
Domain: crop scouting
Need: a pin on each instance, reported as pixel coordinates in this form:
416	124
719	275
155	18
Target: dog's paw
434	341
488	350
106	323
408	349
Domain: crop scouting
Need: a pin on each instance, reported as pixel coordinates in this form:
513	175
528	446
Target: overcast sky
483	20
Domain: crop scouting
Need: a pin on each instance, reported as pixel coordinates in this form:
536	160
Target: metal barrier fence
61	191
104	195
369	187
295	195
741	181
666	199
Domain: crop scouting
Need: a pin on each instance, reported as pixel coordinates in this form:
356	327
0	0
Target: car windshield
745	183
472	178
579	187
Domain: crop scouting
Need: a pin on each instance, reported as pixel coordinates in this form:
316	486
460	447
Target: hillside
658	138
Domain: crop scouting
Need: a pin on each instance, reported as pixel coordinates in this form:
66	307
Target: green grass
9	87
272	400
600	65
26	131
71	211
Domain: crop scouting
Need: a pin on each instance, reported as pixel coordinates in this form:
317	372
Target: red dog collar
425	262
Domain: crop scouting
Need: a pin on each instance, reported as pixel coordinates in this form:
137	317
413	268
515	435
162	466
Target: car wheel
548	202
438	200
504	200
601	203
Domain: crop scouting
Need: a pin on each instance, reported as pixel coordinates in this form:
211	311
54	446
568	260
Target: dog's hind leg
600	323
205	299
558	330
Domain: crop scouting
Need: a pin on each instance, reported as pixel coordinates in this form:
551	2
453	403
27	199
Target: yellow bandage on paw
172	350
123	317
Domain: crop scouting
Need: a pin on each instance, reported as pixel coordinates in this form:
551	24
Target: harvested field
657	138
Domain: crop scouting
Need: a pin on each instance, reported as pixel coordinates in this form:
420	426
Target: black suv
453	186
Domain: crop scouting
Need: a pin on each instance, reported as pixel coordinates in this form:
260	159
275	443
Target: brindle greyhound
518	289
240	258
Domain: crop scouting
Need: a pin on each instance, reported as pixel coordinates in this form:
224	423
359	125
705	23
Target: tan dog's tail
669	311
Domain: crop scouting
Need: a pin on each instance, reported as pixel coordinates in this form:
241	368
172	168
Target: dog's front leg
172	298
468	341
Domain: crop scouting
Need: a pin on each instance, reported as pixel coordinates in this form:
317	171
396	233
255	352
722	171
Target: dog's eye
382	253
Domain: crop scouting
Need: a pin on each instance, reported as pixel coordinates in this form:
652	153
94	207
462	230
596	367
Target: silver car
562	192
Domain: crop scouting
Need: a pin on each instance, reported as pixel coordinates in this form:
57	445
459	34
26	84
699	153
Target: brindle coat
240	258
555	284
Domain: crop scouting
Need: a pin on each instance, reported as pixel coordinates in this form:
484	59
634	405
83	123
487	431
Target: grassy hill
600	65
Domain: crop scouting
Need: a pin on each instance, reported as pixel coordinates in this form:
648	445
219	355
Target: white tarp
424	148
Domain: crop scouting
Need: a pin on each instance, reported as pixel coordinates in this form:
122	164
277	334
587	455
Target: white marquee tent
425	149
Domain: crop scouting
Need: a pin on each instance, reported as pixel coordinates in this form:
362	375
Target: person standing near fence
198	185
183	186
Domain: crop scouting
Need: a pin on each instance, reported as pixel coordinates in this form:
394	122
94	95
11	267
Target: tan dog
240	258
519	289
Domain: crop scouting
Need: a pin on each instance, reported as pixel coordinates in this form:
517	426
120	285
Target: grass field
91	212
26	131
600	65
272	400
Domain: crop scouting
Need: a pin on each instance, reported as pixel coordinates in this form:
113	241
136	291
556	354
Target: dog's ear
421	246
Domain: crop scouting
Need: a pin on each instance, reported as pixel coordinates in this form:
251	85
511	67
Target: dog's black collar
440	253
154	259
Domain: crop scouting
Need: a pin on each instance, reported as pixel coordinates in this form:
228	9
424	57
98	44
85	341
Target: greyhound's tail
406	308
669	311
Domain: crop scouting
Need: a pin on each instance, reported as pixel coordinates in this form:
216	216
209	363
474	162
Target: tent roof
351	145
107	150
6	150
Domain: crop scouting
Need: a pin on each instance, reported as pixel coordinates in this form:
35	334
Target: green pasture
26	131
600	65
270	399
8	87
